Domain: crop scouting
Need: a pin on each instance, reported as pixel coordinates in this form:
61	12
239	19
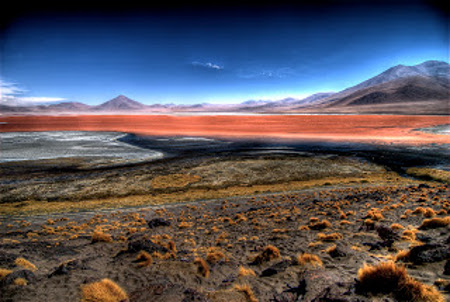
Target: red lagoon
351	128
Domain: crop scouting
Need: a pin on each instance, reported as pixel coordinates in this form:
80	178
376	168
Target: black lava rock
158	222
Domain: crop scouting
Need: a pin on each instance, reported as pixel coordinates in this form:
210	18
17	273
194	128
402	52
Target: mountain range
418	89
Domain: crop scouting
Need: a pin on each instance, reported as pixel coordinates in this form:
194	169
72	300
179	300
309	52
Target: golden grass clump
243	272
99	236
247	290
25	264
20	282
305	259
386	277
409	235
214	255
269	253
202	267
419	211
104	291
436	222
397	226
389	278
4	272
320	225
429	212
375	214
144	259
185	225
401	255
329	237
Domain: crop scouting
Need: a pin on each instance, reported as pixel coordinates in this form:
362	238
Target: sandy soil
354	128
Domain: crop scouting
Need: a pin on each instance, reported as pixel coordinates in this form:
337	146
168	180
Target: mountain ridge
425	82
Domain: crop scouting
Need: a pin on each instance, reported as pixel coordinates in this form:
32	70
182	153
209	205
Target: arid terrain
250	213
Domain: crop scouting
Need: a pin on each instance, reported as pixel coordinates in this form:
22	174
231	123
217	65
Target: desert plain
236	208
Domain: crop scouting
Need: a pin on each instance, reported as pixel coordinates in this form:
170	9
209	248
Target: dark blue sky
213	55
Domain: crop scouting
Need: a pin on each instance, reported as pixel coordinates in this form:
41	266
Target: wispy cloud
276	73
207	65
11	94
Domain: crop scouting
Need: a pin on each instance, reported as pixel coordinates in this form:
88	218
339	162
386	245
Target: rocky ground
305	245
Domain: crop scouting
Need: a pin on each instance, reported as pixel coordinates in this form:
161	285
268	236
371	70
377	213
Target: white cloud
252	73
12	95
208	65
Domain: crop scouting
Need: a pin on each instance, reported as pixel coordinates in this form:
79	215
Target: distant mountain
425	86
418	89
410	89
69	106
433	69
120	103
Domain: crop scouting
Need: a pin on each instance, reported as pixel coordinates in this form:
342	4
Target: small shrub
429	212
247	290
202	267
185	225
20	282
213	256
397	226
375	214
25	264
388	278
385	277
104	290
305	259
99	236
4	272
144	259
402	255
269	253
320	225
419	211
433	223
330	237
409	235
246	272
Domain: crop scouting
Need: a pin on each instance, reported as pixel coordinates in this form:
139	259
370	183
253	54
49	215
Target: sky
192	55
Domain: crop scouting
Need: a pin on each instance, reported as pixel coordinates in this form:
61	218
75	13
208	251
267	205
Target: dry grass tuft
243	272
397	226
409	235
25	264
103	291
320	225
402	255
269	253
99	236
202	266
329	237
247	290
144	259
4	272
305	259
20	282
433	223
214	255
388	278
